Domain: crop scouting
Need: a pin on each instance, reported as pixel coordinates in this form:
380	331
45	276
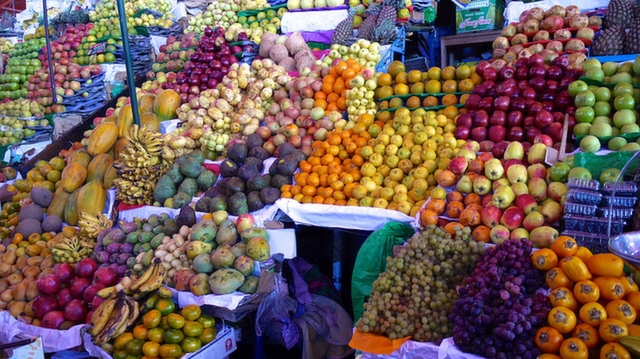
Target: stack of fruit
186	179
496	114
549	33
369	57
106	9
614	38
522	205
415	89
594	303
217	14
174	53
101	43
268	20
22	63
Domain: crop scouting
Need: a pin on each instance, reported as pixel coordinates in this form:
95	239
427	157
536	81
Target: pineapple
619	12
610	41
369	23
632	39
389	11
343	34
385	32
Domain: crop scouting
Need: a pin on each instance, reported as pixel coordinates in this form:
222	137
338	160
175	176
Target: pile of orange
594	303
333	96
331	173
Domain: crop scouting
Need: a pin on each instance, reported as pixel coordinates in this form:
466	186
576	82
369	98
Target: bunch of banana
70	250
632	344
91	226
139	166
112	318
139	287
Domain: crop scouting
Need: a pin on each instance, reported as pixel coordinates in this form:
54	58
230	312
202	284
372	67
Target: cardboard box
479	15
222	347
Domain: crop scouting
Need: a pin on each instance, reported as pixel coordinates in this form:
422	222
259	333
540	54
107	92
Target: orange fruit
449	99
449	73
395	68
413	102
417	87
433	86
401	89
466	85
385	80
402	78
450	86
430	101
414	76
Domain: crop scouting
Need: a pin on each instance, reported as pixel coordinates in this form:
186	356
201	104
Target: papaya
102	138
119	146
92	198
71	209
80	156
58	203
145	103
73	176
166	104
150	120
98	167
109	176
125	120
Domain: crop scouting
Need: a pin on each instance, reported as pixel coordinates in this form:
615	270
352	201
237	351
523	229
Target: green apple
585	114
600	130
591	64
609	175
590	143
581	129
630	128
621	89
626	67
621	77
610	68
560	171
624	101
615	131
631	146
577	86
616	143
579	172
602	94
595	74
602	119
602	108
585	98
623	117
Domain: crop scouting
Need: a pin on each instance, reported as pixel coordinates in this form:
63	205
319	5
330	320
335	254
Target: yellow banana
632	344
101	316
134	310
108	292
145	276
155	281
119	317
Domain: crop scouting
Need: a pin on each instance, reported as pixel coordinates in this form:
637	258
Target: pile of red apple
174	53
204	70
68	294
525	103
65	48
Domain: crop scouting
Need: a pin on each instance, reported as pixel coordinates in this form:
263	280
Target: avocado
218	204
203	204
285	149
228	168
287	165
237	152
189	186
235	185
279	180
254	140
273	169
206	179
238	204
256	183
165	188
191	168
299	155
256	161
269	195
216	191
198	155
170	227
254	202
186	217
267	177
247	171
260	153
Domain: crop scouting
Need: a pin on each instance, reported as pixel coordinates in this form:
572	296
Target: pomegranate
49	284
92	292
76	311
78	286
44	304
64	271
53	320
86	267
106	276
64	297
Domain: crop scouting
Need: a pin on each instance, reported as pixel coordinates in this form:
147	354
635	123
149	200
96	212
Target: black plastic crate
580	183
584	197
573	222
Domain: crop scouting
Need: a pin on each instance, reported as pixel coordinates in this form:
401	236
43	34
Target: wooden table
472	38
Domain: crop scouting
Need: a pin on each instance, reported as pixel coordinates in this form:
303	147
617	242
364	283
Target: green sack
372	260
596	164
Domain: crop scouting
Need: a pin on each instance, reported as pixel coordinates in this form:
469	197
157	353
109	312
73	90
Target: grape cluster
500	308
414	295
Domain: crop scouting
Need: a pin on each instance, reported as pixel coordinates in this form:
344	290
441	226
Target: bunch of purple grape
500	307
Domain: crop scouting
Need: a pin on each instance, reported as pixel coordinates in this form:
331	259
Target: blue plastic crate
385	61
397	47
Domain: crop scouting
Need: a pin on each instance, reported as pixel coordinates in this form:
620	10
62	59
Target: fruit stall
244	178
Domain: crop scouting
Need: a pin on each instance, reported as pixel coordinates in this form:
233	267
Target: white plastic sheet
515	8
317	21
322	215
409	350
229	301
54	340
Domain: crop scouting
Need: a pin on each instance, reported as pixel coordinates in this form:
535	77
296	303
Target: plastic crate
584	197
573	222
581	183
597	243
397	47
580	209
